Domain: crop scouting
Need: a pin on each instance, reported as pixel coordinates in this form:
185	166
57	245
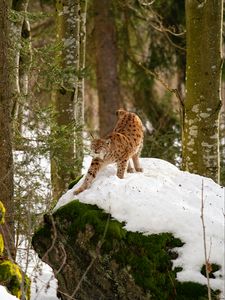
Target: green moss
75	181
1	245
10	274
2	216
2	213
78	215
193	291
214	268
43	231
150	262
11	277
148	258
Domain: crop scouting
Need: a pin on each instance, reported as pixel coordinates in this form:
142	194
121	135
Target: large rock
94	257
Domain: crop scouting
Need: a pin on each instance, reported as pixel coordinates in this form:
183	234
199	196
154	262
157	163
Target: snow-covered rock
165	199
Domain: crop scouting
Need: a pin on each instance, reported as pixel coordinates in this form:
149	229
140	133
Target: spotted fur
124	143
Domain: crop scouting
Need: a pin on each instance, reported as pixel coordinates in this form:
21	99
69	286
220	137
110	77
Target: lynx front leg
95	166
136	161
130	169
121	168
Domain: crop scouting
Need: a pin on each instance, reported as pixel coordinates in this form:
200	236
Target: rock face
94	257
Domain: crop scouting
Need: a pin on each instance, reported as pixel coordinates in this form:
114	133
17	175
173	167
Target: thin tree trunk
63	169
20	53
203	88
6	165
106	65
79	97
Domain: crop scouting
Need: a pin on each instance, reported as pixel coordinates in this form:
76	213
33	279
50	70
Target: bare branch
158	78
207	263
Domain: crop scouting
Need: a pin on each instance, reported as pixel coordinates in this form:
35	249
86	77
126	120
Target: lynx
123	143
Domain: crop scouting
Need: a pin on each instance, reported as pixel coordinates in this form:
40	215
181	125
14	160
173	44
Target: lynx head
99	147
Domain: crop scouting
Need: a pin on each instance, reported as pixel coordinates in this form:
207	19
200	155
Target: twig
64	259
54	239
207	264
157	77
224	240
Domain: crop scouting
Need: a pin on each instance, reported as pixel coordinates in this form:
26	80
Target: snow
44	284
45	287
4	295
38	290
165	199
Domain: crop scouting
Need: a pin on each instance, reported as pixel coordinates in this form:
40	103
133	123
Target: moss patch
193	291
1	245
2	213
10	274
214	268
75	181
11	277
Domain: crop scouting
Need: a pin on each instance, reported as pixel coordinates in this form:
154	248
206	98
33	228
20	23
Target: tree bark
79	96
6	165
203	88
106	65
65	97
20	53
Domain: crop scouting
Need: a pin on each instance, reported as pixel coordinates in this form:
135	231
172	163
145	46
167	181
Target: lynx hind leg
121	168
137	164
94	168
130	169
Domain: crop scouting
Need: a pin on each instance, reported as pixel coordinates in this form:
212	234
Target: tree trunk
65	97
106	65
79	96
20	53
6	165
203	88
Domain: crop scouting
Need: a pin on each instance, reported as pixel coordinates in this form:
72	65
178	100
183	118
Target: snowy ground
162	199
165	199
5	295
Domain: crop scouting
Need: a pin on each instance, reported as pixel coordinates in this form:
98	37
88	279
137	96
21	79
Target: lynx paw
130	170
78	191
139	169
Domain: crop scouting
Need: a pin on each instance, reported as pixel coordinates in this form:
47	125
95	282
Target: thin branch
158	78
207	263
54	239
224	235
64	259
154	17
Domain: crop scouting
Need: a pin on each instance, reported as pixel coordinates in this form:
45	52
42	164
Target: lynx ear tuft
120	112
